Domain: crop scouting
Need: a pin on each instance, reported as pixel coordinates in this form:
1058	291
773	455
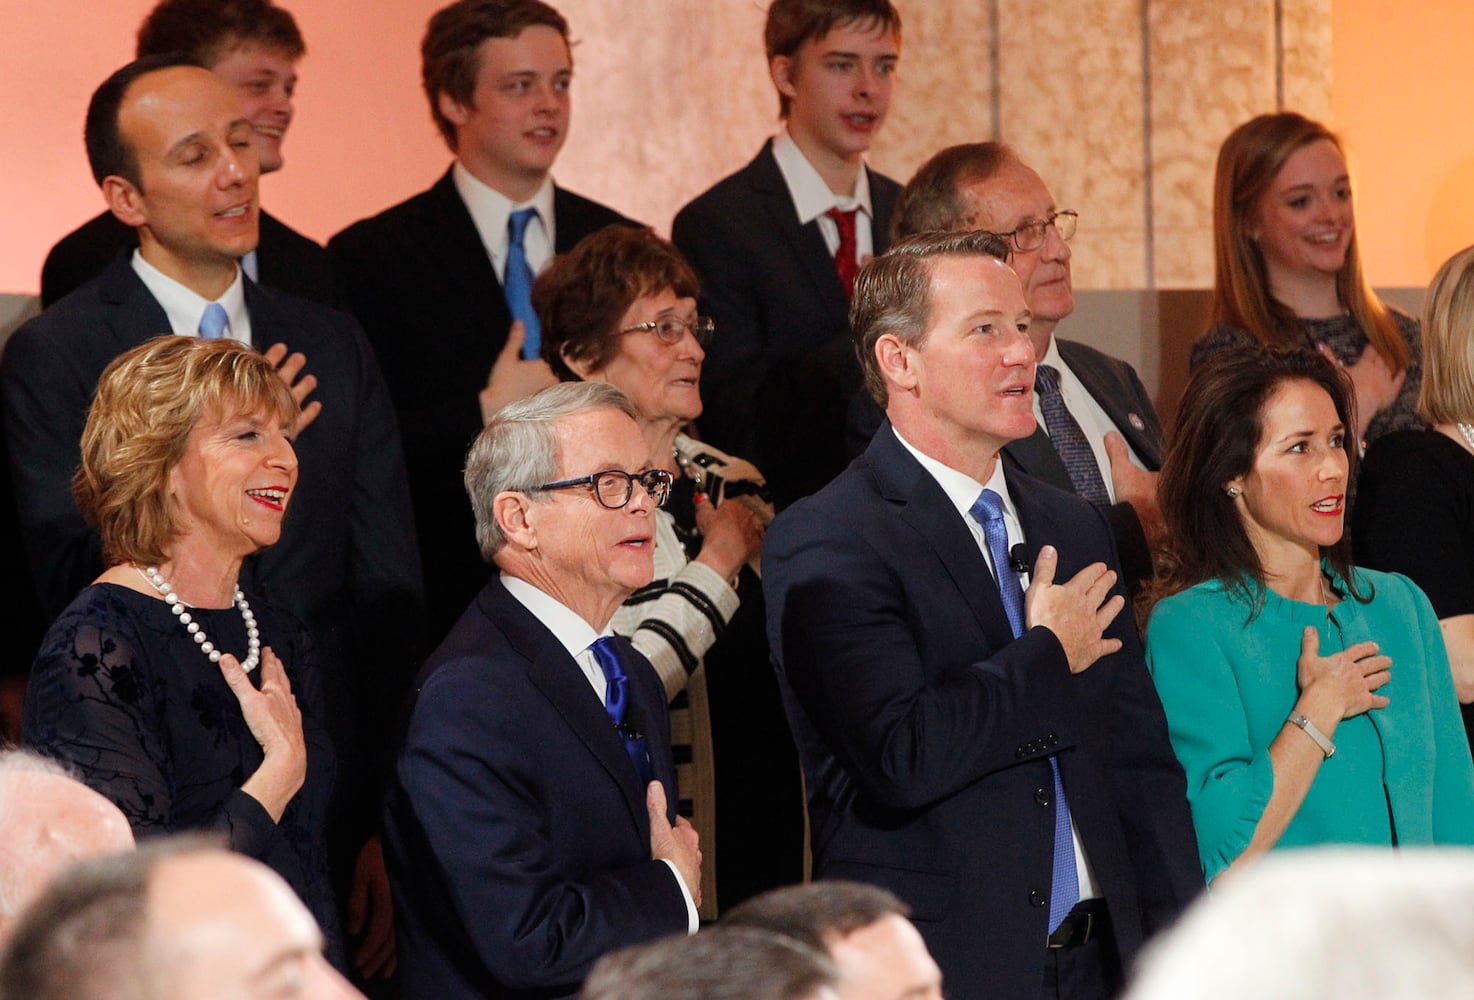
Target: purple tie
1068	439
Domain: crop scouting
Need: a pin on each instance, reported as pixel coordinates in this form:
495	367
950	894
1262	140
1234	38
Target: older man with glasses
531	822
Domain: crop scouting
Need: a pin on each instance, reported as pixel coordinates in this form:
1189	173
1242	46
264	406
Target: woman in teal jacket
1309	702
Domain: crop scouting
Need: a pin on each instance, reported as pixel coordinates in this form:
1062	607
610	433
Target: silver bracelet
1326	746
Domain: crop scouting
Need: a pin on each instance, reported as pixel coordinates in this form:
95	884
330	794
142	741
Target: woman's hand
1375	383
276	722
1346	681
730	536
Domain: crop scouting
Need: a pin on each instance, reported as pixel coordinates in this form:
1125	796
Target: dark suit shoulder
715	203
83	254
408	216
577	217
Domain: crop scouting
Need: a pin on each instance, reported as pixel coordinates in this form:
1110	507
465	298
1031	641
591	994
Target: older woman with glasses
621	308
1287	272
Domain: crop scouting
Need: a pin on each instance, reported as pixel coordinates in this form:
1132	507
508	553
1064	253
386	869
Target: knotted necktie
1068	439
214	323
609	654
518	282
844	257
1064	880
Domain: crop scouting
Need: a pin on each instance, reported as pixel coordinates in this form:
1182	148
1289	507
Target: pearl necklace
1466	431
178	608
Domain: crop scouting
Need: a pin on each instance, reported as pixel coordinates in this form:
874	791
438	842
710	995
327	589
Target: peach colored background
672	94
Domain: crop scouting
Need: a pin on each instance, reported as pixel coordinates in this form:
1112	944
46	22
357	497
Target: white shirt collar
962	489
811	197
571	630
490	210
183	306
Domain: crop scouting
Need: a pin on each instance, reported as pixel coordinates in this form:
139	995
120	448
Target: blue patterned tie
518	282
1064	881
214	323
609	654
1068	439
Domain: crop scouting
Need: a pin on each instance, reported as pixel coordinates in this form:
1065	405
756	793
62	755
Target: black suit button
1052	739
1019	752
1038	897
1041	796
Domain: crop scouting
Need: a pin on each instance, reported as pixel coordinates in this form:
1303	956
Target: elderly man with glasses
531	819
1098	435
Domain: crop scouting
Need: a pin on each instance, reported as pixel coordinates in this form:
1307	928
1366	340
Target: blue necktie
1068	439
1064	881
609	653
214	323
518	282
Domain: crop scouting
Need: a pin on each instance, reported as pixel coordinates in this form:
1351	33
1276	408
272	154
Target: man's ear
124	200
895	361
782	70
512	511
452	109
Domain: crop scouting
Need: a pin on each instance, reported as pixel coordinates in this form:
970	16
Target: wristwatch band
1326	746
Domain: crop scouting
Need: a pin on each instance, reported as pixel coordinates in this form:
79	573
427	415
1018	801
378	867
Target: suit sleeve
46	398
839	624
475	783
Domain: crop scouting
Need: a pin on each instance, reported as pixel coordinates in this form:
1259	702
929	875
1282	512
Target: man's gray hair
721	963
15	859
518	450
893	293
936	197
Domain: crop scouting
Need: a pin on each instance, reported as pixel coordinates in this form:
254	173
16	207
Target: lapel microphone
1018	558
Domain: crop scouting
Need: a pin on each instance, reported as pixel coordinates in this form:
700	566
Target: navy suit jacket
419	280
346	563
285	259
517	833
1117	388
781	370
925	727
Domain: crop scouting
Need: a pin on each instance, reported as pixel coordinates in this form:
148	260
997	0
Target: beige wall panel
1212	68
1305	36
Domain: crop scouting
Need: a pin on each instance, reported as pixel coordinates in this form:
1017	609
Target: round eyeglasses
670	329
1030	236
613	488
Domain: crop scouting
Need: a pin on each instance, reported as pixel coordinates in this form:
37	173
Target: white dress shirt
576	636
490	210
963	491
184	307
812	198
1094	422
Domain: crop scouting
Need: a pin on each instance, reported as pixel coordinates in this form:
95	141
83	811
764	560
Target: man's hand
290	368
1073	611
512	378
676	844
371	913
1136	486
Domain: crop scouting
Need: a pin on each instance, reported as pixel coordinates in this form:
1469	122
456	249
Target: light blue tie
518	282
1064	880
214	323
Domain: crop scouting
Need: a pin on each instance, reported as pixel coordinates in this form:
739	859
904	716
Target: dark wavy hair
1214	440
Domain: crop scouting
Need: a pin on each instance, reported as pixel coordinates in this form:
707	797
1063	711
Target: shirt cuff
693	922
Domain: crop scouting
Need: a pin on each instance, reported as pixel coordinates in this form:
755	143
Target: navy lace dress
121	692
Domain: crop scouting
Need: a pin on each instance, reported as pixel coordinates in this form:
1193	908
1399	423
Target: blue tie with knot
610	654
518	282
1068	439
1064	880
214	323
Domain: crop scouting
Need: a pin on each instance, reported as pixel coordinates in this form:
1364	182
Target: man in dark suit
428	278
995	757
173	154
254	46
986	186
529	822
777	244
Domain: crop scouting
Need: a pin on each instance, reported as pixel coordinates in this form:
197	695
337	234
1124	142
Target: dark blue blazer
781	370
517	832
346	563
924	726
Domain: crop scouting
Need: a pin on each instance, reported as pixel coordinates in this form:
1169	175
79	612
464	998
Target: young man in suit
438	280
530	822
777	244
986	186
254	46
173	153
995	756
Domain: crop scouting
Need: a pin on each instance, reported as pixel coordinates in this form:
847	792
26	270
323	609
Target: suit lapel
1115	400
804	241
924	506
131	313
1036	456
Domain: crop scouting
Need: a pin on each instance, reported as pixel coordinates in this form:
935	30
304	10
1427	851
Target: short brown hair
934	199
790	23
582	294
148	401
817	913
449	56
893	293
208	29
